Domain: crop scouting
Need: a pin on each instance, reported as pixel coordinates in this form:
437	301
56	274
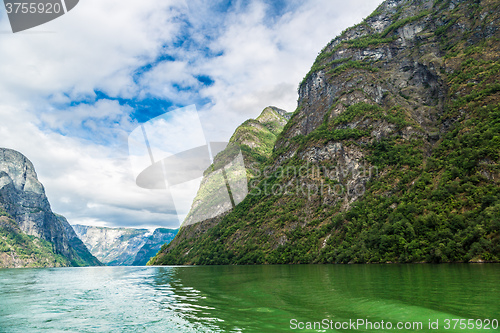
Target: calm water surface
244	298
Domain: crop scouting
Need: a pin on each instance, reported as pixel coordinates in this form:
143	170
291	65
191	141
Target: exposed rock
18	250
234	165
77	244
160	237
22	196
112	246
401	112
123	246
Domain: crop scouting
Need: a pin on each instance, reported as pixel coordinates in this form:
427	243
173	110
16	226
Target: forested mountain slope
397	132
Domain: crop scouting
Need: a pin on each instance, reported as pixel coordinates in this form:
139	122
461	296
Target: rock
23	197
161	237
228	169
408	90
123	246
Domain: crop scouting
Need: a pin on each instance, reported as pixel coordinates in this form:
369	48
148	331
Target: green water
247	298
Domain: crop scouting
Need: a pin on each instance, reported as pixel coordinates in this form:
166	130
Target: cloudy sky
72	90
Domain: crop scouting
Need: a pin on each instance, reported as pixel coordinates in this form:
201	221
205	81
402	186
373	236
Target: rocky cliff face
76	243
112	246
123	246
397	137
224	183
161	237
23	198
20	250
254	140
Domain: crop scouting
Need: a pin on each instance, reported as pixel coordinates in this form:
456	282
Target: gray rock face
20	171
22	196
213	198
77	244
386	71
123	246
285	114
399	69
153	244
113	246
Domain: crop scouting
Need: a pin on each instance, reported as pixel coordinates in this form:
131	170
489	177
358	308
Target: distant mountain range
31	235
123	246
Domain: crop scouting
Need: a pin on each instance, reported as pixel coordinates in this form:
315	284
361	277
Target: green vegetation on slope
445	211
160	238
436	195
20	250
255	140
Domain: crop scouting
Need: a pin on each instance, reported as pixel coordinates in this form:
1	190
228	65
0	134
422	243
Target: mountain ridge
123	246
250	145
397	126
30	222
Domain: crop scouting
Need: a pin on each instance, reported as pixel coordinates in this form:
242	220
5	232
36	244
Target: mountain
254	140
160	238
17	249
112	246
121	246
225	181
30	233
77	244
392	154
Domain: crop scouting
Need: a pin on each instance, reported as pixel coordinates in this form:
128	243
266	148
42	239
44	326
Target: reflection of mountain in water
264	298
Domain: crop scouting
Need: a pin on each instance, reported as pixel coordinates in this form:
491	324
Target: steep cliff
77	244
160	237
224	183
22	198
17	249
254	140
391	156
112	246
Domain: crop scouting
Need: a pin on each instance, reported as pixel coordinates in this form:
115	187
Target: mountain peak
20	170
22	197
271	114
392	154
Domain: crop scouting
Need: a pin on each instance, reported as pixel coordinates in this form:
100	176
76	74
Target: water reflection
241	298
265	298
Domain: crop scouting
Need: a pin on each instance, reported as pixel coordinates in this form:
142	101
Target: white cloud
80	151
83	180
159	81
97	45
76	116
262	62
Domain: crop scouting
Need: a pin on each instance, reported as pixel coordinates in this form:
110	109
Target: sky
74	89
